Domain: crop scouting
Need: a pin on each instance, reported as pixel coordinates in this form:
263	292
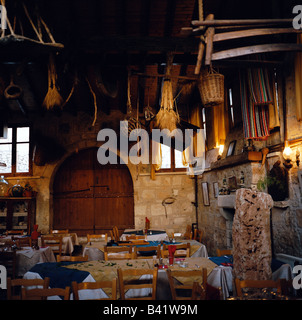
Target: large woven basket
211	88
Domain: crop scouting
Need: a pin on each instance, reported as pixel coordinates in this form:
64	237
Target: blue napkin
60	277
223	259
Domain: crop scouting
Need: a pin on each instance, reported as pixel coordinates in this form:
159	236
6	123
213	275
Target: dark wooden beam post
209	42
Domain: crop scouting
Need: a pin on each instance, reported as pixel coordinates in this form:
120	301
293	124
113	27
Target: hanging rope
94	102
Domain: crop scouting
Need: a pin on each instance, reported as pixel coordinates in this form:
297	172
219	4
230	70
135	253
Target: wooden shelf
245	157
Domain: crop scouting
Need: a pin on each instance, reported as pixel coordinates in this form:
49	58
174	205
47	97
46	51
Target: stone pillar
252	235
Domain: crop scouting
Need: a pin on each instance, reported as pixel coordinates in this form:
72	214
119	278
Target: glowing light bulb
220	150
287	151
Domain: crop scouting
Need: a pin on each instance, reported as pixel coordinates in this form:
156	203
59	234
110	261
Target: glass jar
3	186
17	190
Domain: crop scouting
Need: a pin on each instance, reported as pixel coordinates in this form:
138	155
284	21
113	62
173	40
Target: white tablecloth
28	257
93	294
222	277
94	250
68	243
150	237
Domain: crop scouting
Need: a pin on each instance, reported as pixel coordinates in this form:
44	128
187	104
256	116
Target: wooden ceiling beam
252	33
272	47
247	22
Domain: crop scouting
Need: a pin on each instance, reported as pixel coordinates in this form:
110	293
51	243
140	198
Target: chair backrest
14	285
117	253
76	287
72	258
9	260
134	237
188	234
146	252
43	294
260	284
116	234
198	291
197	235
181	282
23	242
182	250
136	279
62	231
97	237
225	252
14	232
53	241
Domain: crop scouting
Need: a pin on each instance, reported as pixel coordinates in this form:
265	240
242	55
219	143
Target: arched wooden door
92	198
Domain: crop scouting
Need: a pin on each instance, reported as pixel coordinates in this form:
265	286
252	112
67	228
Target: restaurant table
224	270
95	250
69	240
62	274
27	257
152	234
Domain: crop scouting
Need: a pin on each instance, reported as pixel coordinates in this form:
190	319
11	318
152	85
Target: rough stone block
251	235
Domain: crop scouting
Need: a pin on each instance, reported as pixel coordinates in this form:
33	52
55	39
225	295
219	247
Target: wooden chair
225	252
14	232
134	279
117	253
14	286
198	291
97	237
205	292
76	287
181	282
146	252
134	237
259	284
111	235
182	250
63	231
54	242
72	258
197	235
9	260
23	242
43	294
188	234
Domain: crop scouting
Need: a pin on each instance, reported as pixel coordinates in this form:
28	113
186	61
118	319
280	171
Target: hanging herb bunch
53	98
167	117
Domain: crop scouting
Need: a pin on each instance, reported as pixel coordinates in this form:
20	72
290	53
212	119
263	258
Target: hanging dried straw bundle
167	118
53	97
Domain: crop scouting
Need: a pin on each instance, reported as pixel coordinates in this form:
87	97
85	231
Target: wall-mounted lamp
220	148
287	152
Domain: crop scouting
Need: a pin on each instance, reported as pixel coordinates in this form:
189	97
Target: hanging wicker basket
211	89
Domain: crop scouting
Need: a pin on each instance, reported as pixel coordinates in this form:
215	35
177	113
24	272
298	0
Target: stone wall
287	214
75	133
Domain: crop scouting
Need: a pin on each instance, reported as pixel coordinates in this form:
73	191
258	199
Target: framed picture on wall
231	148
216	189
205	193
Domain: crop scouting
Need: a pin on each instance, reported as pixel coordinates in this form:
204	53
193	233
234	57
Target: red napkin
172	249
35	233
